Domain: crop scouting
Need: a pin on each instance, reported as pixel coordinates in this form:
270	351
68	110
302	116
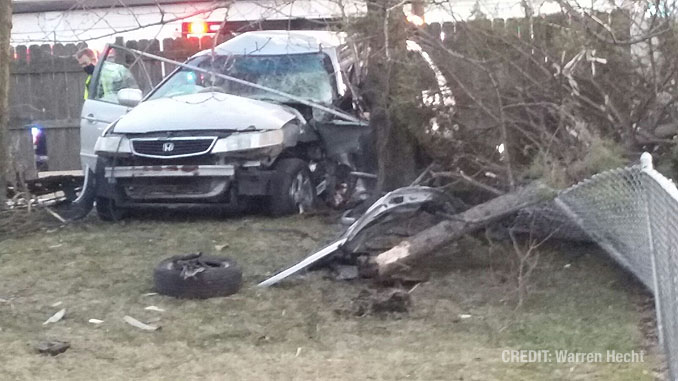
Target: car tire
220	277
107	210
293	191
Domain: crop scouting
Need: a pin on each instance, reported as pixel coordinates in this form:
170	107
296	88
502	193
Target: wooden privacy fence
47	88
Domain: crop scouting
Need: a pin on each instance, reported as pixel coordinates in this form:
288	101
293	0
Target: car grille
170	148
206	189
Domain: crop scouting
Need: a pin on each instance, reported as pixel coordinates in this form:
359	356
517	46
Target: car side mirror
129	97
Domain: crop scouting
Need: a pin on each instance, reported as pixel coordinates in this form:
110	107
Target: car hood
204	111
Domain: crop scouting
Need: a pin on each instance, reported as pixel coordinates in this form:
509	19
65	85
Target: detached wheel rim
301	192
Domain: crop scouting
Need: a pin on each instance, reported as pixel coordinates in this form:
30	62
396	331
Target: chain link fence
632	213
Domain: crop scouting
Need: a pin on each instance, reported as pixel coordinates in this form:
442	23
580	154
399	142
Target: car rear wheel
293	192
107	209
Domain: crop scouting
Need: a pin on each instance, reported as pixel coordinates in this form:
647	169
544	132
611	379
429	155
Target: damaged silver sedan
266	117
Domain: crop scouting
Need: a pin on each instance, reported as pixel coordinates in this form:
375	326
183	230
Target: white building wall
100	26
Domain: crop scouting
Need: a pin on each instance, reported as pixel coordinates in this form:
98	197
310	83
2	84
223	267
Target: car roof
276	42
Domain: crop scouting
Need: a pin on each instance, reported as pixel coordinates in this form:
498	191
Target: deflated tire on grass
219	277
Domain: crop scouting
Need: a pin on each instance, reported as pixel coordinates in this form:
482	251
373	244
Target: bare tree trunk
395	146
5	28
437	236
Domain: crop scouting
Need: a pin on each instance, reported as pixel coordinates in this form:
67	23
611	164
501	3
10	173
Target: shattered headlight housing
242	141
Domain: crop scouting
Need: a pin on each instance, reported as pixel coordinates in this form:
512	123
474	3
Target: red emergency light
199	28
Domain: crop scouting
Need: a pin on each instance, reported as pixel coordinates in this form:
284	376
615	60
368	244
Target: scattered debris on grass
56	317
55	215
154	308
220	247
464	279
136	323
95	321
52	347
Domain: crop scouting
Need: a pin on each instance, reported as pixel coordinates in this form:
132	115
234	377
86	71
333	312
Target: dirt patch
381	302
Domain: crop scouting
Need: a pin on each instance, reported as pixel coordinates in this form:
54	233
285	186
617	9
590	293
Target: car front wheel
293	192
107	209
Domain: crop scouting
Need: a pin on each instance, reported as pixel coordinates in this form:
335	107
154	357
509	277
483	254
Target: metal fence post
646	166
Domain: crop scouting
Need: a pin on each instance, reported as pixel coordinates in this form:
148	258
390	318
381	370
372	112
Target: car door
344	137
116	69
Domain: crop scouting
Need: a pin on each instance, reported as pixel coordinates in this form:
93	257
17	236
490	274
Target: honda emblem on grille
168	147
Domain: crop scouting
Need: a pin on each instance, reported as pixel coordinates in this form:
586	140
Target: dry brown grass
301	330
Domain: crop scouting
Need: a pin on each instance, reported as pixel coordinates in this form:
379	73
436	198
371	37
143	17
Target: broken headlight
241	141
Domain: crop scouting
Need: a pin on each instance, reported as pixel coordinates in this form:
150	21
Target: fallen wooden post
427	241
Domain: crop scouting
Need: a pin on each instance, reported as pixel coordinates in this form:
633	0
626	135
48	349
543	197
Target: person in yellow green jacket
112	77
87	60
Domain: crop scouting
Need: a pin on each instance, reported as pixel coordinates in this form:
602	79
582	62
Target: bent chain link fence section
632	213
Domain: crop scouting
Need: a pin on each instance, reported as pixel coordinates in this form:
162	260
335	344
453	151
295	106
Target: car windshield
308	76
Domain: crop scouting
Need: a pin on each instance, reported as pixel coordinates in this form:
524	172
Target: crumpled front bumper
187	183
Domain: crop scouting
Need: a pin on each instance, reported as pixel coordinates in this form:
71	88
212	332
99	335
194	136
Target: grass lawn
304	329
